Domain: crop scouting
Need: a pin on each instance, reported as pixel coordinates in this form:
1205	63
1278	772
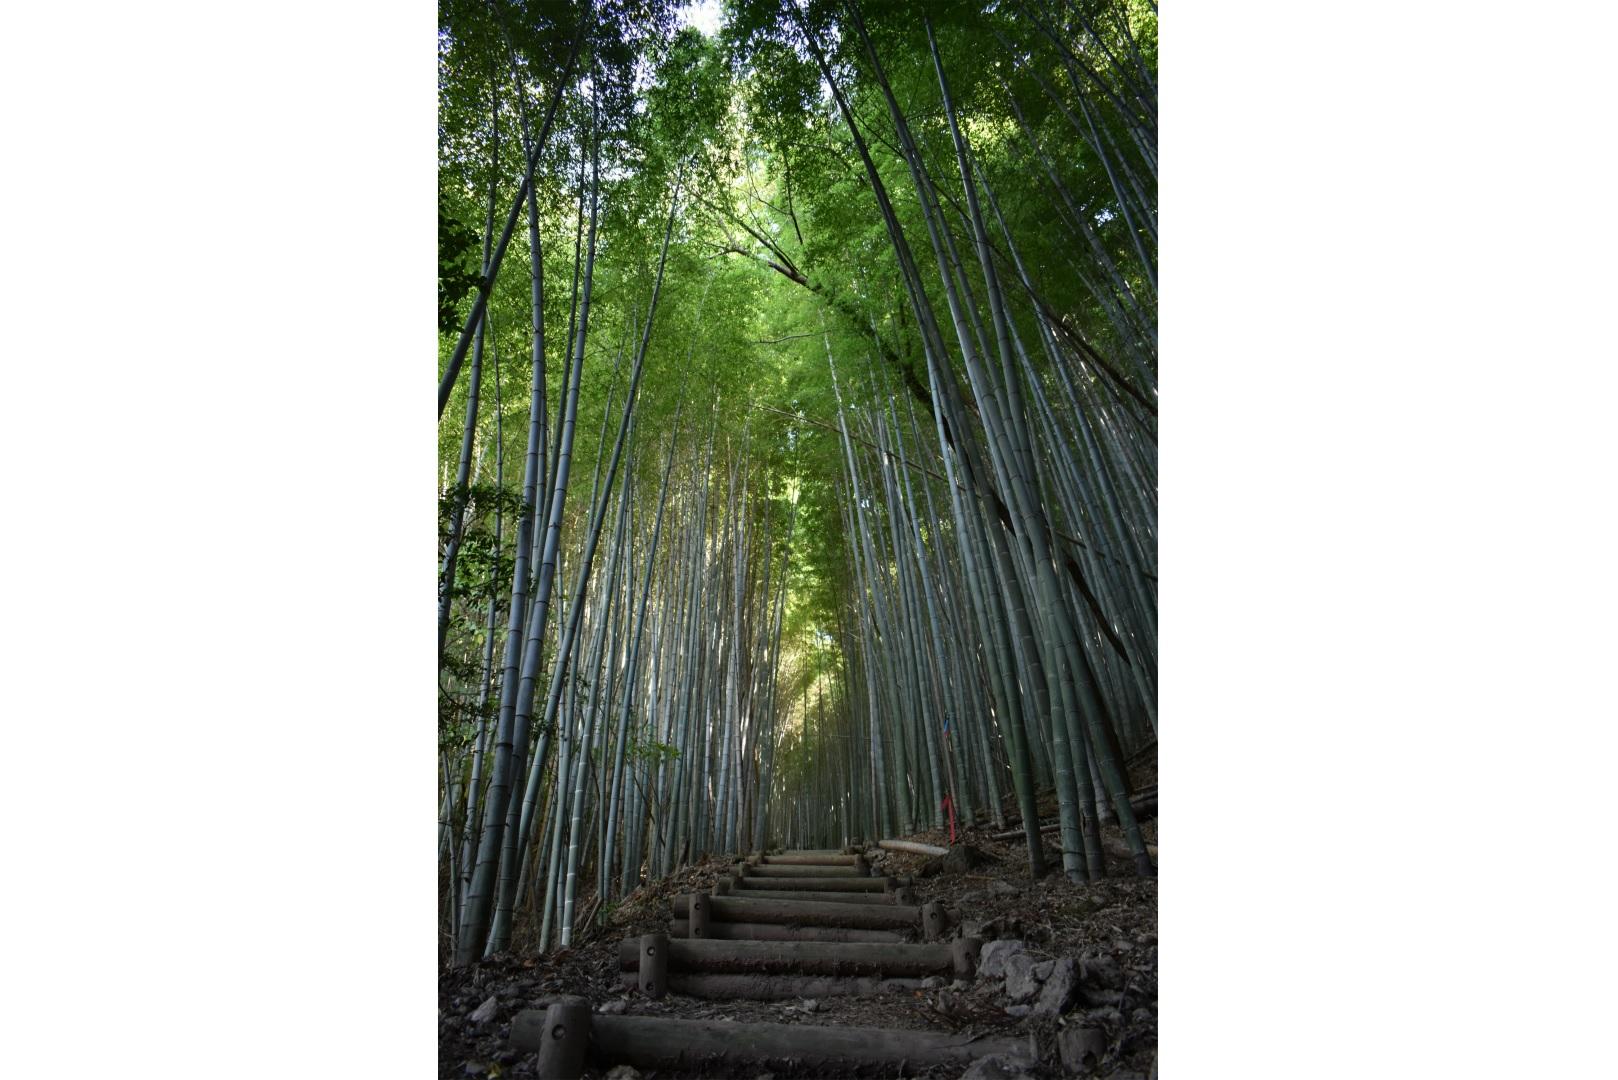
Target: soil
1114	919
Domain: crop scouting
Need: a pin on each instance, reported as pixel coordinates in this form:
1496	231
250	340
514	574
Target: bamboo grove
797	436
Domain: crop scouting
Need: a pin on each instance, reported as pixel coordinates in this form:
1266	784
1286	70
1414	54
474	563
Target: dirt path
1074	967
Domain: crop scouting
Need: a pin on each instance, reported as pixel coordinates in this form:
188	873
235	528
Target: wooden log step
818	884
801	870
735	986
796	912
904	895
745	931
651	1042
708	956
800	858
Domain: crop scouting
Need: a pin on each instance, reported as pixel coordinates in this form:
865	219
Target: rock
1081	1047
1019	1011
976	896
613	1007
1103	1016
1102	971
961	859
623	1072
1092	995
1059	988
1123	945
1006	926
933	982
996	1067
992	960
811	1005
1004	888
485	1012
1023	976
1141	1017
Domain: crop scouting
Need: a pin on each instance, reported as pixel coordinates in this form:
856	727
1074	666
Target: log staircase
785	925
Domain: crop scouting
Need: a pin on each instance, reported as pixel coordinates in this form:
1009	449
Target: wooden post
905	895
697	908
654	965
721	887
564	1039
964	951
933	921
861	867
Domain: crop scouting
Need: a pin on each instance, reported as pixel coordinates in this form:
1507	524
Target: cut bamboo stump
743	931
647	1042
708	956
804	912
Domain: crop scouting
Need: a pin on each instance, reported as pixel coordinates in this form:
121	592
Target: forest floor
1108	926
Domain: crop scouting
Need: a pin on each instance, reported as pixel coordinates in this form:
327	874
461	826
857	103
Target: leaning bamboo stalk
913	847
524	193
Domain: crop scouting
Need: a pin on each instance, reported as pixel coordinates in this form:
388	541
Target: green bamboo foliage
866	544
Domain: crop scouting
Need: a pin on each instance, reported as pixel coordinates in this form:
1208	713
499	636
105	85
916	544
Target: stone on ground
1060	987
1081	1047
992	960
996	1067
